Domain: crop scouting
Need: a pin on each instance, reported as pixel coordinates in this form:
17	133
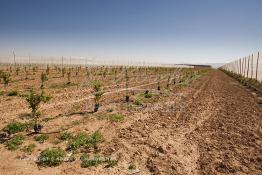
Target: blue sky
191	31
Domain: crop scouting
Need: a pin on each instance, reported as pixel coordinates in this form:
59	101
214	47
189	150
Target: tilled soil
215	130
211	127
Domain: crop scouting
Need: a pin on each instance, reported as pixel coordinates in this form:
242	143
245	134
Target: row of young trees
35	98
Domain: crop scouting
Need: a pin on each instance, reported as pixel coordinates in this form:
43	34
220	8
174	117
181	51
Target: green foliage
111	163
47	70
143	98
116	117
28	148
34	99
138	102
147	94
65	136
132	166
63	72
87	162
97	87
14	127
14	142
44	78
6	77
69	77
57	141
1	93
41	138
95	138
17	71
84	140
77	141
12	93
51	157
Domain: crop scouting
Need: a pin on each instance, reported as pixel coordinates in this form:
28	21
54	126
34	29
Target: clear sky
190	31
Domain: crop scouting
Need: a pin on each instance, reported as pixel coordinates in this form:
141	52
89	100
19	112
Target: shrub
51	157
29	148
14	142
14	127
12	93
41	138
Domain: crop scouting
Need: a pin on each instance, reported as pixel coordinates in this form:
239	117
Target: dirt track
211	127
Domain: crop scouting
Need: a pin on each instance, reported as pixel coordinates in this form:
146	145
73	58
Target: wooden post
257	65
248	65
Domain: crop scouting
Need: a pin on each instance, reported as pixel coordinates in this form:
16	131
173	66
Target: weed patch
29	148
15	142
51	157
41	138
14	127
84	140
65	136
116	117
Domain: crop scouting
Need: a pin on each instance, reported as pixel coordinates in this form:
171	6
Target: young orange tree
97	87
34	99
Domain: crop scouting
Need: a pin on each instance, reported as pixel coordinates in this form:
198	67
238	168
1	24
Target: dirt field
212	126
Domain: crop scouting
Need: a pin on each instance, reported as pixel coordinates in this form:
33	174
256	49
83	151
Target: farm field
149	120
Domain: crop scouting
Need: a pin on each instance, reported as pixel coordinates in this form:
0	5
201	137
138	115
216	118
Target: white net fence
83	61
249	66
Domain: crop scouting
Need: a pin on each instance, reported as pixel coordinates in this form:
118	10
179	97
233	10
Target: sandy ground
211	127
